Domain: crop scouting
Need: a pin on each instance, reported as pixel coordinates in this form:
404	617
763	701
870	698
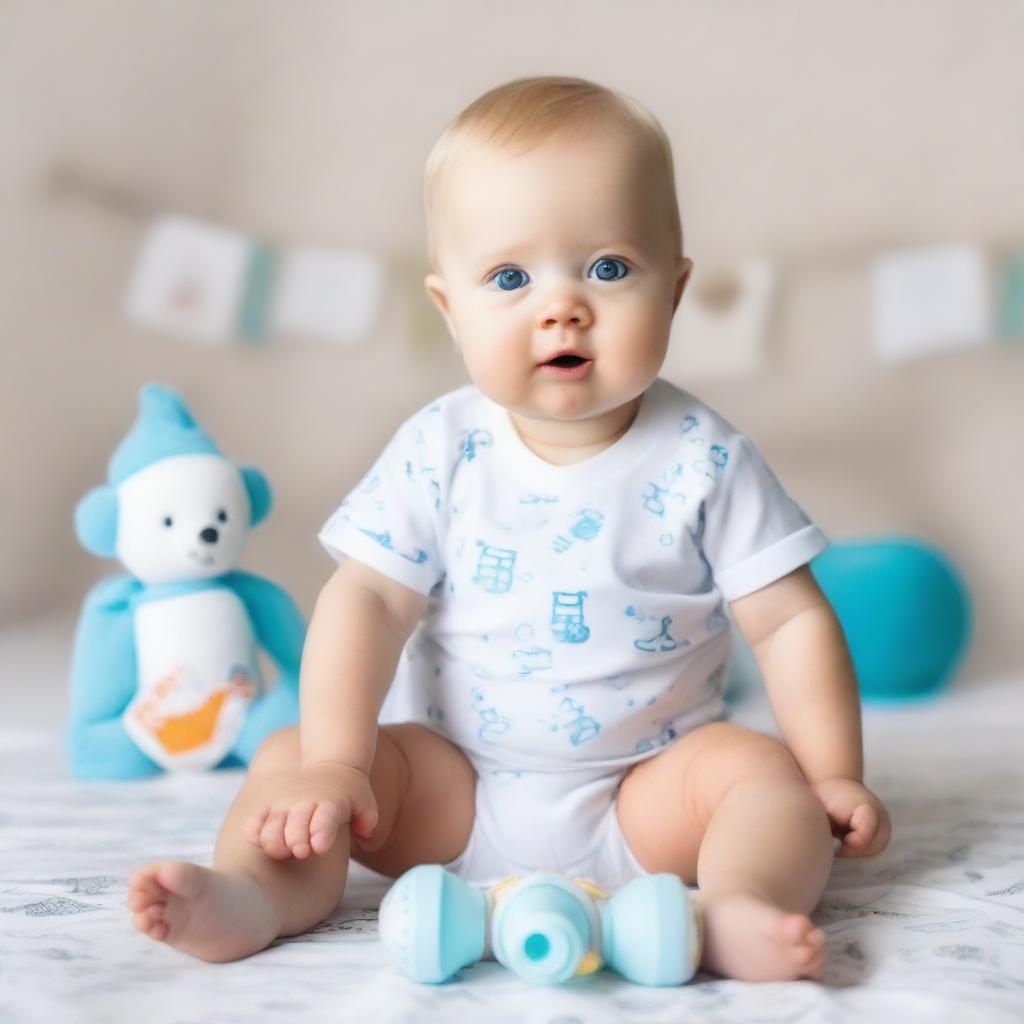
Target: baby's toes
143	889
182	879
151	921
806	943
812	949
814	964
137	900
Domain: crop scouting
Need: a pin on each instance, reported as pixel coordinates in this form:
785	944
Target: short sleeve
390	519
753	532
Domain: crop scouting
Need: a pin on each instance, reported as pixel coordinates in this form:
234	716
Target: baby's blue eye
609	269
511	279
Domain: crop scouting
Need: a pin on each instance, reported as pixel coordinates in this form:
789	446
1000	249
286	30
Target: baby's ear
437	289
685	267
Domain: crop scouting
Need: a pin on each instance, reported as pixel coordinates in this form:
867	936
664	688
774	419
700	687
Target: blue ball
905	611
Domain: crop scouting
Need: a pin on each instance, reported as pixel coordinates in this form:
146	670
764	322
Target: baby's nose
208	535
565	311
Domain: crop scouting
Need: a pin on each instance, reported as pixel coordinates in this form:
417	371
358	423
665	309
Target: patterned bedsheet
932	930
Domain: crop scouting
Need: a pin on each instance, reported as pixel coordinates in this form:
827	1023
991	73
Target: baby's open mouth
566	361
567	365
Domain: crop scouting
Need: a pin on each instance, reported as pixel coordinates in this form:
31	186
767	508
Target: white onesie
575	623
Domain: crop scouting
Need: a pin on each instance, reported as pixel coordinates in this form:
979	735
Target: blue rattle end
433	923
651	933
905	611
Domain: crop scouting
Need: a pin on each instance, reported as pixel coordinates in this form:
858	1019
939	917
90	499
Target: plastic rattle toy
543	927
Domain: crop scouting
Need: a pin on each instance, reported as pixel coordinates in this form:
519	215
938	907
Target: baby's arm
359	626
812	688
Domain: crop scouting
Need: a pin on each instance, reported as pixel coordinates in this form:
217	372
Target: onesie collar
626	451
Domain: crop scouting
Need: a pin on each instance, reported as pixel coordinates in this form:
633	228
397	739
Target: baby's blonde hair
522	114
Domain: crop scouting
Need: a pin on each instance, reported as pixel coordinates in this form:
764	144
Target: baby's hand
857	816
305	814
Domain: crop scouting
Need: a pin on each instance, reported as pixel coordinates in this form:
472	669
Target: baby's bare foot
749	939
208	914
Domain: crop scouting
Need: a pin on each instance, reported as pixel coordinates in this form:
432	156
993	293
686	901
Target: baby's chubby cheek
499	366
630	355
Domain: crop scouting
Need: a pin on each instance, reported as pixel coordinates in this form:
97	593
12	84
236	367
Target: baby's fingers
365	818
882	832
863	827
254	824
296	829
272	835
323	827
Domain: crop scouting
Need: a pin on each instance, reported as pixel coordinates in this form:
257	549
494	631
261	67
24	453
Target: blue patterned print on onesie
662	739
473	440
492	722
652	497
617	681
662	641
586	527
690	427
384	540
494	568
567	623
712	466
532	659
576	722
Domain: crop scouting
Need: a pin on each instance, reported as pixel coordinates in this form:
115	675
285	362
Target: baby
564	533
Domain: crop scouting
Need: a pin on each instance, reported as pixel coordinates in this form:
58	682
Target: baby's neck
563	444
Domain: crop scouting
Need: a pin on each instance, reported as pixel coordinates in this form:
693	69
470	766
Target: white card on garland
189	279
931	299
332	294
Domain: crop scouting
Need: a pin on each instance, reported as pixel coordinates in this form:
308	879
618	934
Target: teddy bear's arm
102	685
281	631
277	622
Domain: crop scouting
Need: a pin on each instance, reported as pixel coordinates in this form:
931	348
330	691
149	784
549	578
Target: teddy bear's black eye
222	516
168	521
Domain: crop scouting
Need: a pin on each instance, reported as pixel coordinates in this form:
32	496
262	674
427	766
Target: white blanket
932	930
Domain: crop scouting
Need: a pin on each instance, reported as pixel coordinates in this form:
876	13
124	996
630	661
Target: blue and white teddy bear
165	671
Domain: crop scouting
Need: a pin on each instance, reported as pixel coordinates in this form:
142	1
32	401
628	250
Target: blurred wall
817	133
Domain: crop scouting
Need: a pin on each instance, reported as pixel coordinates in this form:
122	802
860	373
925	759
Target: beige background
816	133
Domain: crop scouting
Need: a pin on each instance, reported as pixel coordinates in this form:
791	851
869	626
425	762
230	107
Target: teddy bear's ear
96	522
260	497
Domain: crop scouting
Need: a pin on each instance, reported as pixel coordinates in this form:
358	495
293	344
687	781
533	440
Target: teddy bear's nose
208	535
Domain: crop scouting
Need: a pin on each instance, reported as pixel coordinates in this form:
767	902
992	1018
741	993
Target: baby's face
564	249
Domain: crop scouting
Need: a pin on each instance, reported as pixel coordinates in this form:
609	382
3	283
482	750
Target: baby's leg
248	898
730	809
